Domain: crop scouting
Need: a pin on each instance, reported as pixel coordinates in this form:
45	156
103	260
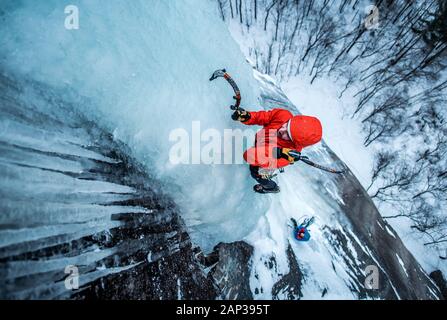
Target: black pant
266	183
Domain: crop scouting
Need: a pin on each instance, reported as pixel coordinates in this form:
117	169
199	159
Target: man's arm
260	118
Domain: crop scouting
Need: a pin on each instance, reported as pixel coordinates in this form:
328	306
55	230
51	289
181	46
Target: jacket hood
304	131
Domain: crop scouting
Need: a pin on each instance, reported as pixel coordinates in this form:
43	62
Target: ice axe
298	157
237	94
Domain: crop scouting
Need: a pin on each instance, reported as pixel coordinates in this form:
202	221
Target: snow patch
402	264
390	232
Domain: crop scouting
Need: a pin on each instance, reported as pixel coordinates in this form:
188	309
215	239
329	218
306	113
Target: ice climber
300	232
282	132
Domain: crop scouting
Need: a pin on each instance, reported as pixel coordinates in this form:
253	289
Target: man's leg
266	183
295	224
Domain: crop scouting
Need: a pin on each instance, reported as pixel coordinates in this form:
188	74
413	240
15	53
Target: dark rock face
402	277
440	281
231	272
177	276
72	196
290	284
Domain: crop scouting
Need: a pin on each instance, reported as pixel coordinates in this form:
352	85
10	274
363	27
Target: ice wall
145	65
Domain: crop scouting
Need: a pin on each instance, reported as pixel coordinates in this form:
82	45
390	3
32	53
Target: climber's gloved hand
285	153
241	115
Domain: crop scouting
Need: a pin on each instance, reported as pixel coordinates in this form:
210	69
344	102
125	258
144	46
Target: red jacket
305	131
